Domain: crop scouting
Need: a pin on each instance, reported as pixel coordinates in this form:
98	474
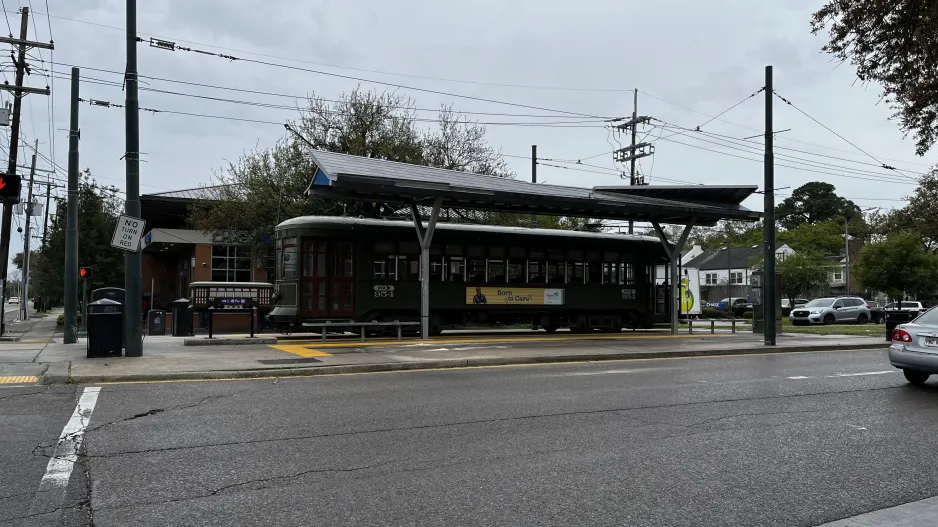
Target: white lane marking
856	427
797	377
59	470
862	373
603	372
924	512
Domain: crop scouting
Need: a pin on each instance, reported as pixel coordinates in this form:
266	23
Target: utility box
105	329
757	281
156	322
182	318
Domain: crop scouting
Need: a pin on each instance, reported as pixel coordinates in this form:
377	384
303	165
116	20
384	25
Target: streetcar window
594	273
537	272
380	270
436	268
288	265
408	268
515	272
627	273
476	270
457	269
578	272
557	272
496	271
610	272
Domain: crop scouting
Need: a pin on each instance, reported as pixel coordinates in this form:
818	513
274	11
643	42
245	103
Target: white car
14	300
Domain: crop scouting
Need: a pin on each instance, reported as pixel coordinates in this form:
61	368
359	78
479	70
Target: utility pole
71	222
19	91
534	179
133	289
769	222
637	150
24	301
45	219
847	253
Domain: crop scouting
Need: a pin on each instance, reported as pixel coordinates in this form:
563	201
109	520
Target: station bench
325	326
712	321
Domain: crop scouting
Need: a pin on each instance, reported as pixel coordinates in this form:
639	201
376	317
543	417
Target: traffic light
9	189
85	272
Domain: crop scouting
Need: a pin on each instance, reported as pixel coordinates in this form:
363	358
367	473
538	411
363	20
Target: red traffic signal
85	272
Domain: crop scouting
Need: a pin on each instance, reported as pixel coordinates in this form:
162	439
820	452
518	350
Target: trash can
111	293
105	328
182	318
893	319
156	322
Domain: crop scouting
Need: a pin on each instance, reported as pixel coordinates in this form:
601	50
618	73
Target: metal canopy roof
347	177
704	194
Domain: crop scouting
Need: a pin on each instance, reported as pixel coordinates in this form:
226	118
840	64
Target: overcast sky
690	60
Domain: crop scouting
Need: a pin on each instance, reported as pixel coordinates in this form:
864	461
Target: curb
309	371
56	373
229	342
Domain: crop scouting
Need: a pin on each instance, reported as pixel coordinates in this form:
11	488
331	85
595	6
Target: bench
712	321
325	326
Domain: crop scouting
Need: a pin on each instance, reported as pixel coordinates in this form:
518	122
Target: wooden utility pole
636	150
19	91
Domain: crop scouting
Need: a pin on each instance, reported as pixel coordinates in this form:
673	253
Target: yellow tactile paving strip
19	379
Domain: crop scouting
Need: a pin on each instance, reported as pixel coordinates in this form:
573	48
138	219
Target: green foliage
891	42
921	213
811	203
825	238
899	265
747	315
18	260
802	275
98	209
710	312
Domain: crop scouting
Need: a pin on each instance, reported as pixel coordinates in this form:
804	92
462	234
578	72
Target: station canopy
355	178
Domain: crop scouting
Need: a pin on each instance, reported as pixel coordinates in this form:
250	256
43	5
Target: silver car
914	347
831	310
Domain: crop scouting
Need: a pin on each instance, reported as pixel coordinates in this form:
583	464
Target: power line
294	97
351	68
844	139
171	46
826	147
6	14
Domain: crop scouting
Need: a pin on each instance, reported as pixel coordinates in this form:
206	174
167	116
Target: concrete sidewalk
166	358
20	349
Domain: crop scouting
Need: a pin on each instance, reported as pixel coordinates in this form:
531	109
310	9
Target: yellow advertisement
514	296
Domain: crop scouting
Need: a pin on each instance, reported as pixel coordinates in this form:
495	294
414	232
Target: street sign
127	234
9	189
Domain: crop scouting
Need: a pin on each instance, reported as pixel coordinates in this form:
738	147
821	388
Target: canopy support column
425	237
674	256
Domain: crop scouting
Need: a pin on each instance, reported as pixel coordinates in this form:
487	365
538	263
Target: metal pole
847	253
769	224
45	218
634	139
24	301
133	268
84	306
6	225
71	227
534	179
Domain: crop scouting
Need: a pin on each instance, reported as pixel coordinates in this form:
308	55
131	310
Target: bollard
690	326
323	329
734	325
713	326
398	322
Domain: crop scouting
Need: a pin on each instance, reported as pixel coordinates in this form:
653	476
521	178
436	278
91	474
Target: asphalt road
780	440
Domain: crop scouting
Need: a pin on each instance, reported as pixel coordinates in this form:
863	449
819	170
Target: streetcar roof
348	222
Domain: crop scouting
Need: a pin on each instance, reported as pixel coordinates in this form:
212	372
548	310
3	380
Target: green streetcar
355	269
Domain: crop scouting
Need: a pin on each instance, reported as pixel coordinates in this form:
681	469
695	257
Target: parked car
831	310
787	307
877	312
916	308
14	300
736	305
914	347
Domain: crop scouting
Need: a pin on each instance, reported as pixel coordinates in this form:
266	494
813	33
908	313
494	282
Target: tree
891	42
98	208
898	266
802	275
814	202
825	238
18	260
921	213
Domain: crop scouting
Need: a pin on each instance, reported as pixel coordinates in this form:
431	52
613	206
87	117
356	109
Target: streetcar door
342	280
315	280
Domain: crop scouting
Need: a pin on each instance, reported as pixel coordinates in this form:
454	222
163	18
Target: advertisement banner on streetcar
514	296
